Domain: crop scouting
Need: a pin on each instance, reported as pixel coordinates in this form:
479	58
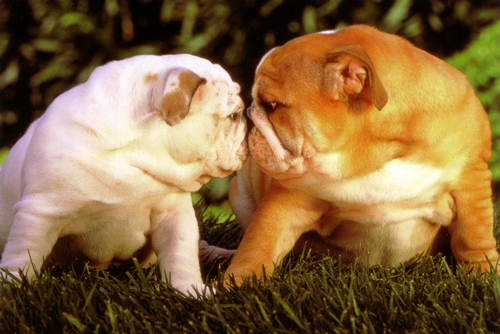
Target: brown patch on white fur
181	84
150	78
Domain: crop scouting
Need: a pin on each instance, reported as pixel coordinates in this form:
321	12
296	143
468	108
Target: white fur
102	175
327	32
398	180
398	192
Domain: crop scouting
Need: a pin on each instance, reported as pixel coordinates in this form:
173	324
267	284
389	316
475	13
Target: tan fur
361	175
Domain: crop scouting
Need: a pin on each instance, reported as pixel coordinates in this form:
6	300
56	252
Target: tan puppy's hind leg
472	239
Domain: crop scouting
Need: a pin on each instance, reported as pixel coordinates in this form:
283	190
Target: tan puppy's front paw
237	276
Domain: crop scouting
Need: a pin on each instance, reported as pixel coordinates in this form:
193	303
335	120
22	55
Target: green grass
3	154
307	294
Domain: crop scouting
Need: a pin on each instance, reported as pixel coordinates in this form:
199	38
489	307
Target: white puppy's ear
351	75
180	86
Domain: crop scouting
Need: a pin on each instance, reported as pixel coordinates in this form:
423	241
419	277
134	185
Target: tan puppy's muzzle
266	148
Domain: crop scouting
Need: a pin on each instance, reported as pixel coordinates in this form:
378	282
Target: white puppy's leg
31	239
175	241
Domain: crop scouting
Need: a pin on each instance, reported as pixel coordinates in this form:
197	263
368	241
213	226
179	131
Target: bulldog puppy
366	147
106	173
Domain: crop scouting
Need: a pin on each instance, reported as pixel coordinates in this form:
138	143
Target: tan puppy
367	147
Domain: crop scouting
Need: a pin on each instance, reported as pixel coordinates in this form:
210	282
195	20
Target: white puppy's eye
234	116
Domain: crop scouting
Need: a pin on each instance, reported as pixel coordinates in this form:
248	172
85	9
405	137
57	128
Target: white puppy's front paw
8	276
198	290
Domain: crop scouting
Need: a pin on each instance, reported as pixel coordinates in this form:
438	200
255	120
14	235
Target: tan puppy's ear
180	86
349	67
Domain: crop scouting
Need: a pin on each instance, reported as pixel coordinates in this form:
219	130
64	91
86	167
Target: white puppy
106	173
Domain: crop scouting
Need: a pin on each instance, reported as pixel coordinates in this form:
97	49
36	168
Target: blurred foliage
480	62
47	47
3	154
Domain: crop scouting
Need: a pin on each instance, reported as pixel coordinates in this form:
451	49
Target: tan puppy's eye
269	106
